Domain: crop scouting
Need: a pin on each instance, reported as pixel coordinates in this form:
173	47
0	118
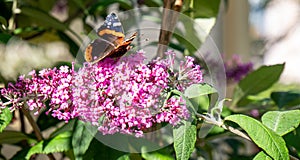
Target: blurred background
265	32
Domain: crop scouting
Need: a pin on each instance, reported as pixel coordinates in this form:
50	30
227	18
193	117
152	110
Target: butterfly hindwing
98	49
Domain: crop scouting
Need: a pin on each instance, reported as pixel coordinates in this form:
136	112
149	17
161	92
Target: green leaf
286	99
292	139
4	38
66	127
124	157
262	136
81	139
46	121
188	38
79	4
20	155
174	46
184	140
197	90
155	155
262	156
97	150
46	5
74	48
201	8
256	82
5	9
5	118
201	103
124	4
60	143
153	3
103	4
282	122
29	32
12	137
45	19
3	21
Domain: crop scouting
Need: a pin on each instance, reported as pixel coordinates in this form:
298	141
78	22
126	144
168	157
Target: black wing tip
113	14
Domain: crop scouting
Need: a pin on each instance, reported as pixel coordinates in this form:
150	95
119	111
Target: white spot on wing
117	24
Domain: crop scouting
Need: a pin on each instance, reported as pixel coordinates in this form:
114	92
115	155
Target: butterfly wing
121	49
110	42
112	30
97	50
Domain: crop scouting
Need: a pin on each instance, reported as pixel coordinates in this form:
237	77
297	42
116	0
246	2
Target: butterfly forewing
112	30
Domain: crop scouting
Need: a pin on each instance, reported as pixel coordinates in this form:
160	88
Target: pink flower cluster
188	74
124	95
49	85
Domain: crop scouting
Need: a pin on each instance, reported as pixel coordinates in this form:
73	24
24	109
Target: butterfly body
111	41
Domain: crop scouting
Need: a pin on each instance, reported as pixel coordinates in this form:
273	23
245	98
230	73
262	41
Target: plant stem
35	127
36	130
221	124
11	21
23	129
170	16
137	18
236	131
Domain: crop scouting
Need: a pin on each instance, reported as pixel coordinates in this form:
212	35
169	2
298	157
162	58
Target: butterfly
111	41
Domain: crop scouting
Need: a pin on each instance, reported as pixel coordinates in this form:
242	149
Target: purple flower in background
255	113
125	95
236	69
60	6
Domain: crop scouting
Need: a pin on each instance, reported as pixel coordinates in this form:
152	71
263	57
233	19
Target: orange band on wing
88	53
112	32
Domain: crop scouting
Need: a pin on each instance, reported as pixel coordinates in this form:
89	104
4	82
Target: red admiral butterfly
111	42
